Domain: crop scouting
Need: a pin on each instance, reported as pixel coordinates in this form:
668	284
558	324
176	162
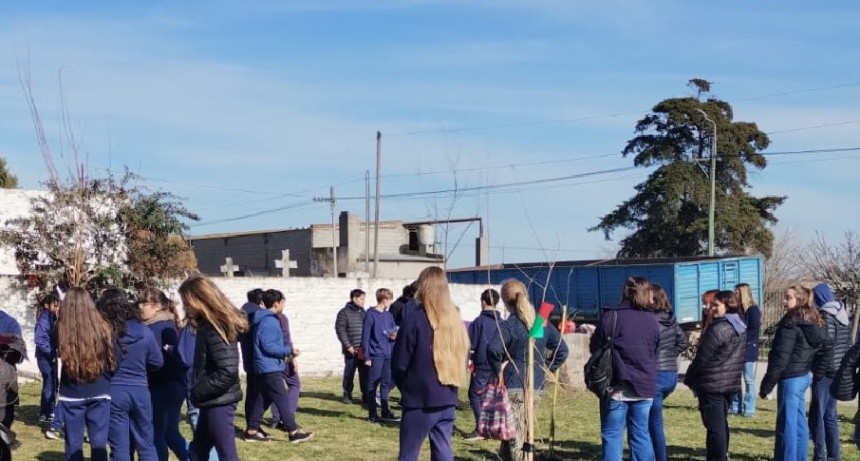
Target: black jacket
348	325
839	336
673	341
719	361
845	382
396	309
216	369
797	346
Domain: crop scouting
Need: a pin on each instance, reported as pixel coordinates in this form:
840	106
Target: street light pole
713	185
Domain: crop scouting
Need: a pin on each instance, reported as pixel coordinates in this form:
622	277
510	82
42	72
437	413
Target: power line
292	206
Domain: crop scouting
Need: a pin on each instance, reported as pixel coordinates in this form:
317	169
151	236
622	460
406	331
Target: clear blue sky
246	107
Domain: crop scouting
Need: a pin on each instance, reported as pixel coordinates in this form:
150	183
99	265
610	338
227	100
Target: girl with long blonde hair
216	390
429	365
512	345
744	401
86	348
798	346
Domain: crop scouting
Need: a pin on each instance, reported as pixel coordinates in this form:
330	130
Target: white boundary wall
312	304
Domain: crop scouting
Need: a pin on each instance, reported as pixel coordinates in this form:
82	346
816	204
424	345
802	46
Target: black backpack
598	370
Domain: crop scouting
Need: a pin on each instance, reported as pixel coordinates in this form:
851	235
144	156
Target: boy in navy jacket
377	338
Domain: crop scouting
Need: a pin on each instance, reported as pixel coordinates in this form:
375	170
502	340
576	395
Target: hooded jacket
482	331
752	317
246	339
348	325
45	336
797	345
673	341
846	381
268	345
139	354
836	321
719	361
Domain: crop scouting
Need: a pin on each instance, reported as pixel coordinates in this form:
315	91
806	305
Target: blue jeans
792	431
822	422
48	368
193	416
666	382
167	398
614	415
743	402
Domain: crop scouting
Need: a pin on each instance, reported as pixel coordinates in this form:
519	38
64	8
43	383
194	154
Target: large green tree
7	179
668	215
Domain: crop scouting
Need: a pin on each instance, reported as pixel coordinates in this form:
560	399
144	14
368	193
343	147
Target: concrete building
404	250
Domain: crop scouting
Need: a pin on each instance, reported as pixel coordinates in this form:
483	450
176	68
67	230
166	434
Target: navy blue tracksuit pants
215	430
94	414
294	388
379	376
273	392
477	386
131	421
418	423
350	366
49	369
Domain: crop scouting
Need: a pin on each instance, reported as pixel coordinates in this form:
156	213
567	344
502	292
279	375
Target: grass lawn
343	434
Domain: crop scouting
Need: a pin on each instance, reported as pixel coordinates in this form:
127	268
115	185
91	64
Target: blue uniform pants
131	421
50	384
417	424
167	399
215	430
94	414
379	376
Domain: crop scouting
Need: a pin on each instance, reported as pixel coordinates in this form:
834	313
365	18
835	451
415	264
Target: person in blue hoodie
482	331
45	337
167	385
89	359
131	405
254	304
377	339
823	424
270	355
715	373
291	375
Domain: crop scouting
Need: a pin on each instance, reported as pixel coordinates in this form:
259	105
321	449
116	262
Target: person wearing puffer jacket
822	411
715	373
673	341
846	384
799	346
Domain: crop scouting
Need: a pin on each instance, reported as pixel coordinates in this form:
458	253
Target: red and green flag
541	320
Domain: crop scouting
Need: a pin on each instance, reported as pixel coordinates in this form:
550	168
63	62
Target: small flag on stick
541	320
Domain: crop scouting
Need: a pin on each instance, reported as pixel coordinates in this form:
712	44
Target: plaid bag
496	418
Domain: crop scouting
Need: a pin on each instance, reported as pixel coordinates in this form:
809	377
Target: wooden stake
530	402
563	327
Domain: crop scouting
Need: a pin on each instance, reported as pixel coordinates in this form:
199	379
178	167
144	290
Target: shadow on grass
48	456
330	396
576	450
757	432
320	412
677	452
28	415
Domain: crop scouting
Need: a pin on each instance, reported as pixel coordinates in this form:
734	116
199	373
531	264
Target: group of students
127	365
810	348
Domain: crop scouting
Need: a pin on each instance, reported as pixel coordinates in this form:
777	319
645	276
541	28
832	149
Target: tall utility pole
376	221
367	221
713	185
332	201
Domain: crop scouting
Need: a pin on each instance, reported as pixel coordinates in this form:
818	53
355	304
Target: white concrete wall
312	304
14	203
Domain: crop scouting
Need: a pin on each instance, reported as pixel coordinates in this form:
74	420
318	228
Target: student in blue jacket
89	359
482	331
167	385
270	356
45	338
131	406
377	339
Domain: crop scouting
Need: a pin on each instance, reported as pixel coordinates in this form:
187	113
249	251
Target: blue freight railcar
587	286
